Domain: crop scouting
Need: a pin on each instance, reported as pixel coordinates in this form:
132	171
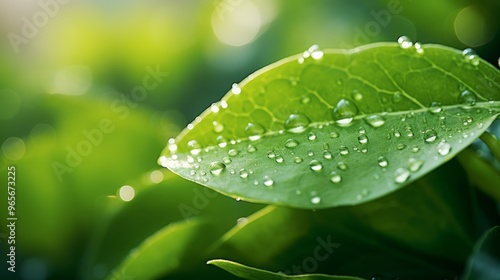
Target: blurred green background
90	92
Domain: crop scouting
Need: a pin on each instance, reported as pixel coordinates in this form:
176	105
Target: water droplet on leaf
315	165
404	42
291	143
375	120
382	161
344	112
297	123
254	131
335	177
443	148
216	168
401	175
430	135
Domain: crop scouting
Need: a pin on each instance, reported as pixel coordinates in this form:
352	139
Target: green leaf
164	251
268	223
484	263
339	127
251	273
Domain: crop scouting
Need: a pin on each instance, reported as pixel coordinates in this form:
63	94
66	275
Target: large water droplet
216	167
244	173
415	164
375	120
430	135
291	143
268	182
470	56
194	147
254	131
363	139
315	200
382	161
343	150
344	112
443	148
335	177
297	123
468	98
315	52
401	175
404	42
315	165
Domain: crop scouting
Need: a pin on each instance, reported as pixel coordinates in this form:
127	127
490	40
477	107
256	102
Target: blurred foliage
75	71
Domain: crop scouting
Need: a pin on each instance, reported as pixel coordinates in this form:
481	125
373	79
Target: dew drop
397	134
221	141
375	120
401	146
430	135
397	97
315	200
344	112
409	132
271	154
334	135
214	108
310	153
443	148
470	56
364	150
343	150
356	95
401	175
342	165
468	98
415	164
235	89
226	160
268	182
291	143
314	51
382	161
216	168
233	152
218	127
327	155
297	123
251	148
172	146
254	131
404	42
279	159
243	174
305	99
435	107
415	149
311	136
315	165
194	147
362	139
298	160
419	48
335	177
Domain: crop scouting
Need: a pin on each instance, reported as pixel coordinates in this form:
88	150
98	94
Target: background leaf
484	263
251	273
332	128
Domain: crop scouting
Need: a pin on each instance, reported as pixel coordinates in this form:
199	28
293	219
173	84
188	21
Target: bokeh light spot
236	23
14	148
126	193
472	28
